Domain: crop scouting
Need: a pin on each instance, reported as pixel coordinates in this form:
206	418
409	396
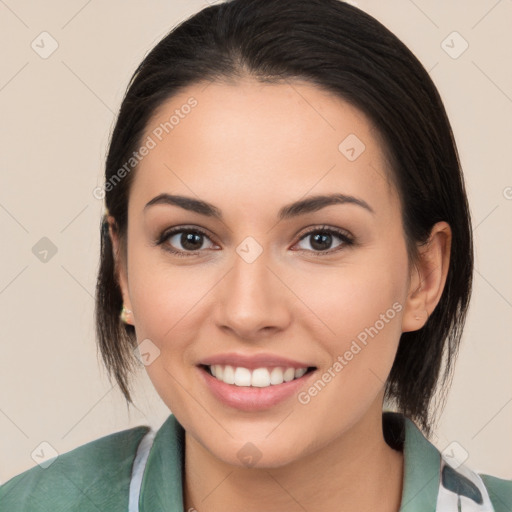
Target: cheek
166	298
360	306
350	298
166	301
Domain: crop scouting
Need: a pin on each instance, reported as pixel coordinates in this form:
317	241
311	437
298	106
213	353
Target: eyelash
347	239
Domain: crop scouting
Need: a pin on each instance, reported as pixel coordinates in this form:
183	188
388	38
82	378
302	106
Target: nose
253	300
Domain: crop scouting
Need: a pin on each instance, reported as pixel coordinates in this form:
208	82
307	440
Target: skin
250	148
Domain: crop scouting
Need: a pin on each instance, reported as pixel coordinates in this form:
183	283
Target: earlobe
126	313
429	278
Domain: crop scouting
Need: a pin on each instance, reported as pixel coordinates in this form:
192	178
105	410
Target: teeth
289	374
242	377
228	375
300	372
260	377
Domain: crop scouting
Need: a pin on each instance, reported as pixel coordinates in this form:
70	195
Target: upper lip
254	361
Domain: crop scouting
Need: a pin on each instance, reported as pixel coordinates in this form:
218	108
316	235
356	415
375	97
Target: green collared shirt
140	470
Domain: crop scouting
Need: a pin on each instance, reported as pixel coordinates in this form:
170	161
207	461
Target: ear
120	266
428	278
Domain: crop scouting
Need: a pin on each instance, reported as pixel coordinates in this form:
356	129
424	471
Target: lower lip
249	398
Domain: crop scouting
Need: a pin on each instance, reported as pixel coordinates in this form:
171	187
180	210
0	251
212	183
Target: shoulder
94	476
500	492
438	478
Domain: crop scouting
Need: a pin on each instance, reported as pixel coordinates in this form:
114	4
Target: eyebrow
301	207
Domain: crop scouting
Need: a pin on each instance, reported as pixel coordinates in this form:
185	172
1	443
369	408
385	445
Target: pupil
187	240
323	238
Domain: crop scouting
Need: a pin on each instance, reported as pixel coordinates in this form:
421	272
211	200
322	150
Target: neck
357	471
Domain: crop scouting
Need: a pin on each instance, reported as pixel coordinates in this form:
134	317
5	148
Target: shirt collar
161	487
422	462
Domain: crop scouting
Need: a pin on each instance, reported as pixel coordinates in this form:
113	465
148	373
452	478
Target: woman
288	240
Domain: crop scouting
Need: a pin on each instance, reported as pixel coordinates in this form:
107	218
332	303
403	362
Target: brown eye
181	241
321	240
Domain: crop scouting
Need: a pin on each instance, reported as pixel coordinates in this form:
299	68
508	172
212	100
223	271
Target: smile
256	389
258	377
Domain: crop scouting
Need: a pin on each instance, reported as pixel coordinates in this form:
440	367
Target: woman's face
256	282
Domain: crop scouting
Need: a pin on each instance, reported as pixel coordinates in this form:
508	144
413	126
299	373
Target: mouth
263	377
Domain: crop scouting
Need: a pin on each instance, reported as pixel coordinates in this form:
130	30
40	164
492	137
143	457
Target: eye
183	241
323	239
191	240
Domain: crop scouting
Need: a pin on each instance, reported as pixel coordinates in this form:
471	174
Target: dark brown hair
343	50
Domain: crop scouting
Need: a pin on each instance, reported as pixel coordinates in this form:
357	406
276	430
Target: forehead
257	142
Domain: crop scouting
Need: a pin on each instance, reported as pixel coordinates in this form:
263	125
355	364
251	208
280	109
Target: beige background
56	114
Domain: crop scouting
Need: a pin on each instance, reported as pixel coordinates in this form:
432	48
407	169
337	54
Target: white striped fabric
139	464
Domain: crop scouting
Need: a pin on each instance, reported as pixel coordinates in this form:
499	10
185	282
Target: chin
257	454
